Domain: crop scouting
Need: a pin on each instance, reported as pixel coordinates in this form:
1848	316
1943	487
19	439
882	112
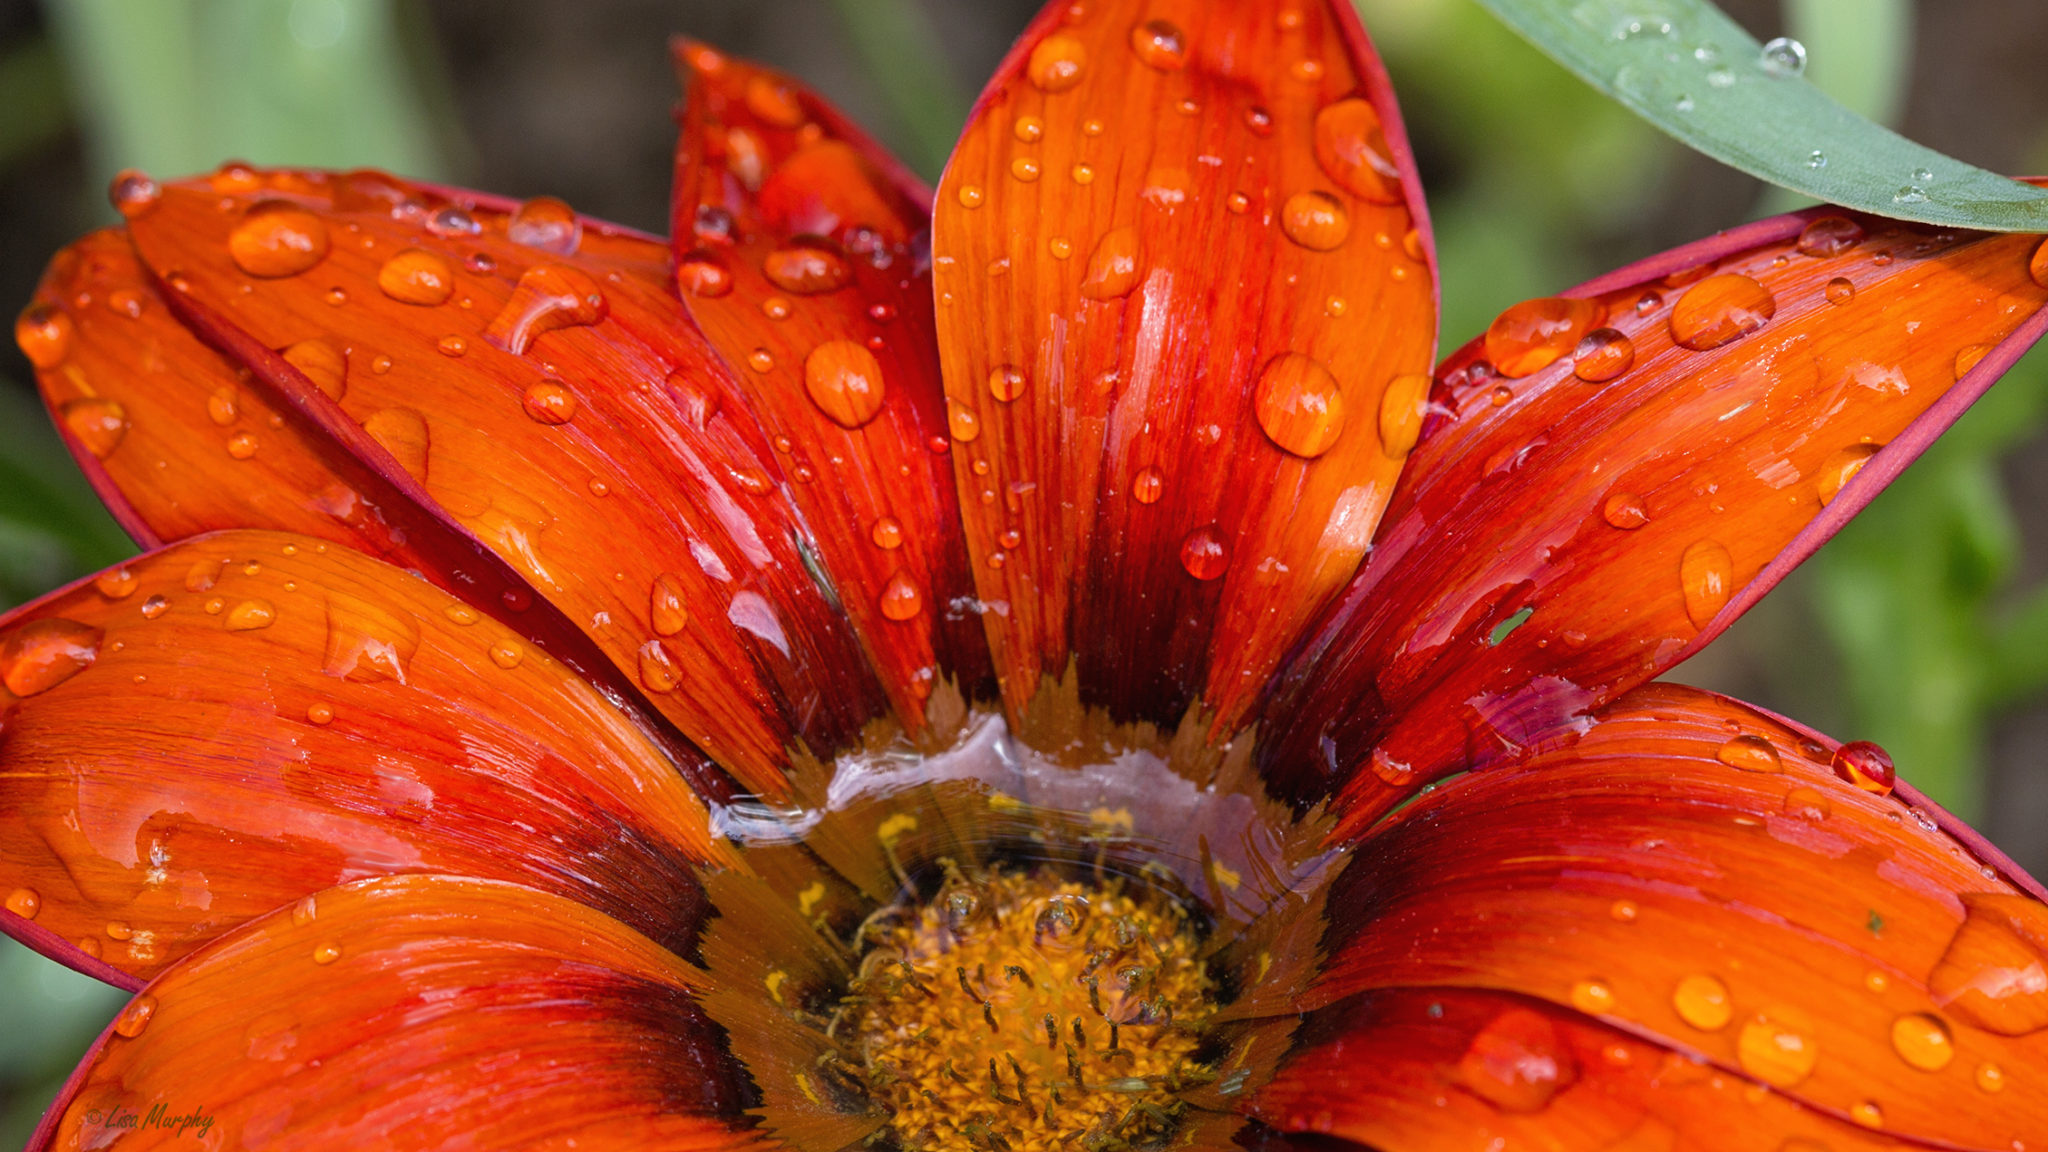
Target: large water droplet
24	902
322	363
1299	405
1148	485
1707	575
1750	753
845	381
1702	1001
549	402
134	193
403	433
1867	766
1056	63
1829	236
962	422
417	276
98	423
1203	553
1006	382
658	672
41	654
1720	309
44	335
887	533
665	605
703	273
1533	334
1840	467
1923	1041
1402	407
900	598
136	1016
251	616
547	224
1603	355
1113	267
548	297
275	238
2037	267
807	266
1351	148
1994	974
1782	57
1315	220
1625	510
1160	45
1777	1047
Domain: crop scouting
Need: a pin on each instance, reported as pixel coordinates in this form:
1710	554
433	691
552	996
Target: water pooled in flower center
1026	1009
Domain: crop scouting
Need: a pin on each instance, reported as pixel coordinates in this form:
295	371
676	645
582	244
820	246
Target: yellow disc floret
1018	1011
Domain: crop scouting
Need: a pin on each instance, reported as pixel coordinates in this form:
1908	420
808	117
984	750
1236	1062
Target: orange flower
1054	669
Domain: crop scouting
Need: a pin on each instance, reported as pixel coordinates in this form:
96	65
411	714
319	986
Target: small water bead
320	712
1829	236
1029	129
549	402
1604	354
1160	45
1315	220
1865	765
320	362
1807	804
1720	309
1402	407
1750	753
1060	247
251	616
1351	147
1707	578
1083	174
1006	382
452	346
116	583
760	360
507	654
326	952
44	335
1923	1041
136	1016
658	671
1148	485
1299	405
546	224
1203	553
1624	510
1533	334
970	196
900	599
1024	168
127	303
242	445
39	655
886	533
1056	63
1777	1048
1990	1077
1839	290
1306	69
1623	910
962	422
276	238
807	267
134	193
1702	1001
1593	996
1867	1114
1782	57
703	273
1840	467
845	381
155	606
1113	268
1259	120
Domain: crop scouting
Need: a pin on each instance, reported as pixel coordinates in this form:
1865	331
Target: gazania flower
1044	665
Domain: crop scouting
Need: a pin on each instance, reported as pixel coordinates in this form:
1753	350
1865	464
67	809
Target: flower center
1024	1009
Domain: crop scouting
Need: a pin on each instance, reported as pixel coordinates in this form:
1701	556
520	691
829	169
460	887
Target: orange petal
413	1012
230	723
1573	526
526	375
809	271
1454	1068
1687	869
1180	261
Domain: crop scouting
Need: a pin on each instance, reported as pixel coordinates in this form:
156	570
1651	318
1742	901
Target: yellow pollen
1023	1012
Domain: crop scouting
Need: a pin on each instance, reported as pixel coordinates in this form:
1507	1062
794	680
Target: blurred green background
1922	627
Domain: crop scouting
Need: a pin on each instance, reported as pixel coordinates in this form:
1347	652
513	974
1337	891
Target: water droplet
1720	309
1865	765
1969	358
134	193
1923	1041
1167	188
1113	267
1160	45
1807	804
548	297
1299	405
1351	148
507	654
417	276
774	101
1702	1001
1402	407
1842	467
1720	78
1593	996
24	902
1867	1114
1056	63
1603	355
403	433
970	196
1533	334
126	302
155	606
1782	57
2037	267
1990	1077
320	362
1148	485
900	598
320	712
1777	1047
962	422
703	273
1203	553
1083	174
658	671
1006	382
1994	973
1623	910
886	533
41	654
760	360
845	381
326	952
1024	168
1707	575
1829	236
275	238
44	335
251	615
452	346
1910	194
136	1016
1839	290
547	224
1625	510
1517	1062
1029	129
242	445
1749	753
807	267
1315	220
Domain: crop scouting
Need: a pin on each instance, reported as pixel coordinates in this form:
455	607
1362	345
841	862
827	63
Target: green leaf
1686	67
908	65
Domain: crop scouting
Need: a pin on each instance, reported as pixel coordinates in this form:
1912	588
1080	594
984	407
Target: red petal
1458	1069
223	726
1181	262
1694	871
415	1012
1567	534
808	269
525	374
